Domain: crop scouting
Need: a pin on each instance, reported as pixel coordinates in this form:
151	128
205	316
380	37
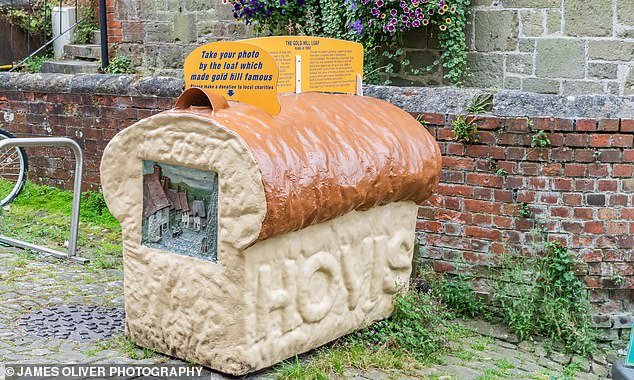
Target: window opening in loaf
180	210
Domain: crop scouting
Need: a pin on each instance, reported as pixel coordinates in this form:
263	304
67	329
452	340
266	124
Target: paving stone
611	50
532	23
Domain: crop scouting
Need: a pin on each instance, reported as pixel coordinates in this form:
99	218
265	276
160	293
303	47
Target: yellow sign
239	71
325	64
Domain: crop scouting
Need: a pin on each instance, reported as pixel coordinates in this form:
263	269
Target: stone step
91	52
70	67
96	37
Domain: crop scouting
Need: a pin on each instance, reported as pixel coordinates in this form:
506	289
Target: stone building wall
580	187
158	35
566	47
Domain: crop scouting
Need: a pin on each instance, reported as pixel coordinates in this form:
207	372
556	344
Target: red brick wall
91	120
580	189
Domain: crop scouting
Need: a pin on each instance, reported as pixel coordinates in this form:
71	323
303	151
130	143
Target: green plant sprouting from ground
458	293
540	139
380	25
34	64
415	334
465	129
534	295
480	104
120	65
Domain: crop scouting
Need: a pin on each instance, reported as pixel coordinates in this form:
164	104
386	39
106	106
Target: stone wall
580	187
569	47
158	35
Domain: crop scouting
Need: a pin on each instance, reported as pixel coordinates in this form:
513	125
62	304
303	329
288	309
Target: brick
598	170
608	125
627	213
502	196
485	151
536	183
454	190
515	153
563	124
474	205
575	170
586	125
622	141
611	155
562	184
481	179
617	200
431	118
616	228
623	170
600	141
628	185
585	155
583	213
576	140
593	227
452	176
606	214
455	149
459	163
560	212
627	125
428	225
489	123
595	199
542	123
561	154
572	227
552	169
572	199
483	233
516	124
528	168
607	185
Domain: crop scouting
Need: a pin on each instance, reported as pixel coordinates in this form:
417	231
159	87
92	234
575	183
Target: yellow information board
239	71
326	64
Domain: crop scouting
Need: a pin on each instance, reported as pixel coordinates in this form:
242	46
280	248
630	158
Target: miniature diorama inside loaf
250	238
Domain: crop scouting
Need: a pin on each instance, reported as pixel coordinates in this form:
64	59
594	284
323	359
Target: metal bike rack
58	142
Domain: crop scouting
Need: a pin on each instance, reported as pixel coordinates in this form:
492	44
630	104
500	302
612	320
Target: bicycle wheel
13	168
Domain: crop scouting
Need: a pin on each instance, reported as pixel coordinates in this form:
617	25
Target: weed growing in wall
540	140
479	104
465	129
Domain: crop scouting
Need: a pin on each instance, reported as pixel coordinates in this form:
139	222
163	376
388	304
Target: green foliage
120	65
82	34
52	199
493	166
415	334
412	328
540	140
543	296
422	121
465	129
458	293
34	64
32	18
481	103
524	210
380	25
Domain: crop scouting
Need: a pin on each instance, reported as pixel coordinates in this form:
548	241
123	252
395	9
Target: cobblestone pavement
28	284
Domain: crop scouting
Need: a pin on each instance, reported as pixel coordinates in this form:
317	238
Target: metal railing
61	142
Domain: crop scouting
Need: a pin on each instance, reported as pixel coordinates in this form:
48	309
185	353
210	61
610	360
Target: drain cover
75	322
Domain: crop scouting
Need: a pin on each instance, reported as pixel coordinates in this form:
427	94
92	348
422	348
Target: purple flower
356	25
390	28
404	18
393	21
379	3
282	3
431	12
375	12
416	23
392	12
